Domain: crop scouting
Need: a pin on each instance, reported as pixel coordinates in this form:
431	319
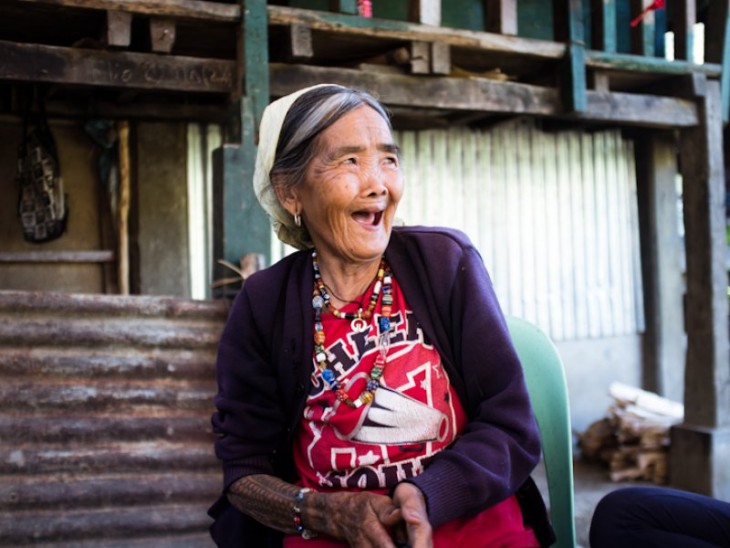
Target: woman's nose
375	181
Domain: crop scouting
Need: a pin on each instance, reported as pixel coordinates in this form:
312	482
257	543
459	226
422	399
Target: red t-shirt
415	414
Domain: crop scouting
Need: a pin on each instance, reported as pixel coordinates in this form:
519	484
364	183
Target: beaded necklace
321	301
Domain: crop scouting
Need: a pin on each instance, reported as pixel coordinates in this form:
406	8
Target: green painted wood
638	63
568	20
642	35
344	6
603	22
241	226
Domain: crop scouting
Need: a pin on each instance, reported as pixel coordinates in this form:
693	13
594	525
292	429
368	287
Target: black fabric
649	517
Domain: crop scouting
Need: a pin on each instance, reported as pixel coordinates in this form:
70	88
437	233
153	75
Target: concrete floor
591	483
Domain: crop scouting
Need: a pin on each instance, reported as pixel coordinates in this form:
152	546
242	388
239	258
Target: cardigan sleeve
249	420
500	444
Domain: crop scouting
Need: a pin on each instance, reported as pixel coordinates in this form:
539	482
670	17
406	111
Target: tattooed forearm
266	499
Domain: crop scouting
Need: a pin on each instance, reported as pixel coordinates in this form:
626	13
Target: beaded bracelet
297	514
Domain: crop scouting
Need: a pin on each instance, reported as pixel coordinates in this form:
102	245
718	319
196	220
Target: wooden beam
398	30
38	63
101	256
184	9
501	16
635	63
683	18
490	96
162	34
603	25
118	28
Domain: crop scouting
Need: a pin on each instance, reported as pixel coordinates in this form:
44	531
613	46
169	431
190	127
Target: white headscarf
271	122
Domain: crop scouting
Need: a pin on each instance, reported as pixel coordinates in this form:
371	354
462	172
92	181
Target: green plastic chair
545	378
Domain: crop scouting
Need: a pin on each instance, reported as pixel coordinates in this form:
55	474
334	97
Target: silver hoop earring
297	219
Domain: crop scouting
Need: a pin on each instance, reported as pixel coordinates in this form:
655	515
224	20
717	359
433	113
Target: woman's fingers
413	508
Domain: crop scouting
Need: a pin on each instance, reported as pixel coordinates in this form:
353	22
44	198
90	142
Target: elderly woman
369	393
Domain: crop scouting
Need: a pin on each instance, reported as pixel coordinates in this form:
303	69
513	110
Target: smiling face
351	190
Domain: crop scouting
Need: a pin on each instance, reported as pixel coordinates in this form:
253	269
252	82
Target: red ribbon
655	5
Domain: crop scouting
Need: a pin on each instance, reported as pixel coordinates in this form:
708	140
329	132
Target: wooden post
568	23
123	214
700	449
241	226
162	34
661	253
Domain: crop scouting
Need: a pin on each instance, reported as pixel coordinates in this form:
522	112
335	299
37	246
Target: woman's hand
362	519
409	499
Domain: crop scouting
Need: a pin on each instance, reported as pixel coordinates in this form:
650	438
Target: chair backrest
545	378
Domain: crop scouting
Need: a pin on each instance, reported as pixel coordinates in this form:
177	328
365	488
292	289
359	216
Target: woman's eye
351	160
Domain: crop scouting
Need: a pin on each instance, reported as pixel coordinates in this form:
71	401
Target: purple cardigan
264	365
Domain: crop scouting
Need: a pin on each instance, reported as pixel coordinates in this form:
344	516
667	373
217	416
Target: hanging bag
41	202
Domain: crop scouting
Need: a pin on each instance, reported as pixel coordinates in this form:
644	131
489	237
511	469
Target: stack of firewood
633	440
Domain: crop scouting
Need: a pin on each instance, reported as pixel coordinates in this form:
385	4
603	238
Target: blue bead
384	324
328	375
373	385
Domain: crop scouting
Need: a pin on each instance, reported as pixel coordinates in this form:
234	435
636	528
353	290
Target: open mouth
369	218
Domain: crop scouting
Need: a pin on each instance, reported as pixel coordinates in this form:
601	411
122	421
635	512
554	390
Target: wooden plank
490	96
391	29
184	9
603	25
636	63
101	256
717	48
683	18
501	16
162	34
425	12
642	35
118	28
38	63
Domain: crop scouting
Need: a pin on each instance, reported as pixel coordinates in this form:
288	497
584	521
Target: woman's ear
287	196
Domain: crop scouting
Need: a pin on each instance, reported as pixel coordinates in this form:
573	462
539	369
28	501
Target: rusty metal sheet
105	407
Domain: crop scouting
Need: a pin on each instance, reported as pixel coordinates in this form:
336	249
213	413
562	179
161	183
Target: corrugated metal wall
554	215
105	407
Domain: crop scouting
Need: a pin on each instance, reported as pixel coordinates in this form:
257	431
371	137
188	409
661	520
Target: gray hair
308	116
